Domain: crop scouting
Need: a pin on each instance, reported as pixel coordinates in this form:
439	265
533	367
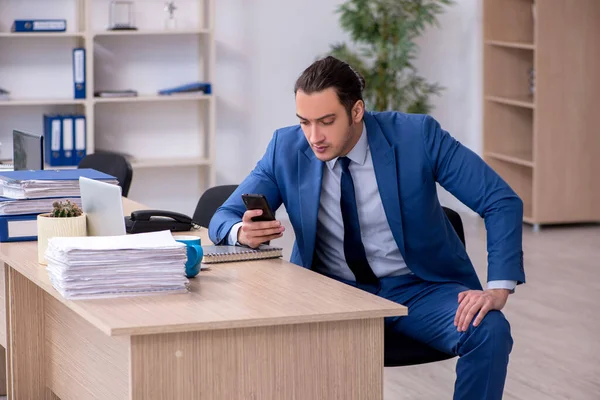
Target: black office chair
210	200
113	164
401	350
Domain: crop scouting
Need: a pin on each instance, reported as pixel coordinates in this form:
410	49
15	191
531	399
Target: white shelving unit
157	131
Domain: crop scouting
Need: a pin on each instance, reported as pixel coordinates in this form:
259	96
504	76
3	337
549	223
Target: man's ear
358	111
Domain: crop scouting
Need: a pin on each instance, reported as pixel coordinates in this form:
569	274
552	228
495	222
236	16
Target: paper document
108	266
31	206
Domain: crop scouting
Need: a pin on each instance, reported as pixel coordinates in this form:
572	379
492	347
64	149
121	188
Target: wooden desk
256	330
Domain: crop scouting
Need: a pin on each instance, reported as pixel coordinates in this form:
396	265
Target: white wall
263	45
452	56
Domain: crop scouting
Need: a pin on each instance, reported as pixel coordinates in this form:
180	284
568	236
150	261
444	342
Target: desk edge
397	311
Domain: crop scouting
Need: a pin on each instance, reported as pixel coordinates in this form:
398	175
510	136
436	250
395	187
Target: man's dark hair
330	72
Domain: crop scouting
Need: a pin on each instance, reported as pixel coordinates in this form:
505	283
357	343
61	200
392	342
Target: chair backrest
457	224
210	201
113	164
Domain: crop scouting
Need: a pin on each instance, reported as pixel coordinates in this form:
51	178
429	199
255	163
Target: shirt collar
358	154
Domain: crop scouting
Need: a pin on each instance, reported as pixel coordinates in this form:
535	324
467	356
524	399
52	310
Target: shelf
539	125
169	162
41	102
511	45
509	20
177	97
41	35
116	58
508	133
153	32
508	75
522	158
521	101
519	178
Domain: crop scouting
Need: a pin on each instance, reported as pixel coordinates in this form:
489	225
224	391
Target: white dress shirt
382	252
381	249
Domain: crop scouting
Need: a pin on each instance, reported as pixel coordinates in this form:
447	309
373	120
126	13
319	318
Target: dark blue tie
354	250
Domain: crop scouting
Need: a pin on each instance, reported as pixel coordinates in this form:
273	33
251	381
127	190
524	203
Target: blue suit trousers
483	350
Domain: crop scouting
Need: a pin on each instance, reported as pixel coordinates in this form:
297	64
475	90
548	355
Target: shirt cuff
233	234
510	285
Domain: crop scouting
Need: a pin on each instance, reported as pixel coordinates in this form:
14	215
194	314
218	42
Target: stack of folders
10	206
113	266
26	194
27	184
64	139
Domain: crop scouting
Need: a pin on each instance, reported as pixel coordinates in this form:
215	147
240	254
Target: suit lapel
310	176
386	174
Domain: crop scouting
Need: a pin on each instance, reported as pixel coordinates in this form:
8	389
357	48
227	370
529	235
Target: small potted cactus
65	219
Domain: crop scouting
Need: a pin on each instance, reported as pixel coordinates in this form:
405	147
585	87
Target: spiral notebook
219	254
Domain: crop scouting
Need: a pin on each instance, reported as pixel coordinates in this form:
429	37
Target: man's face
326	125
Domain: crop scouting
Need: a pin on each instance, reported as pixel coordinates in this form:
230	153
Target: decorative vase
49	227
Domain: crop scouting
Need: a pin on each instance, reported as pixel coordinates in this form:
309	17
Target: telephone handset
157	220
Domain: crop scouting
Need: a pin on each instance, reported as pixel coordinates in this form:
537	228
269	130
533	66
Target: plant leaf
383	49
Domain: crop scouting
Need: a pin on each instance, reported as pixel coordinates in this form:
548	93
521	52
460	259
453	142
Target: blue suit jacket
410	154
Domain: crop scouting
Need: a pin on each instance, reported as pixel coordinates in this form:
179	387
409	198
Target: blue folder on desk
54	175
27	184
18	228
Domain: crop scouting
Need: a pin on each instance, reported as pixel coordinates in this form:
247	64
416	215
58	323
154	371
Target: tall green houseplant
384	48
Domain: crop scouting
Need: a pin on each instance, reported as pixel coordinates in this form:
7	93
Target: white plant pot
49	227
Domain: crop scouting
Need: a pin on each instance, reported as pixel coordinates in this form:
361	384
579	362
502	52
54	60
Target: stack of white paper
110	266
31	206
35	189
36	184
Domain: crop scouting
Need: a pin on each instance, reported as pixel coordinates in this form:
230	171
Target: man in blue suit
360	191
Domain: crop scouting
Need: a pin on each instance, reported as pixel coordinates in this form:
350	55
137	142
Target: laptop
28	151
103	204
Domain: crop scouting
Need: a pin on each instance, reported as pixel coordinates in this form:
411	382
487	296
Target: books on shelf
111	266
65	139
28	184
116	93
39	25
72	39
219	254
79	85
193	87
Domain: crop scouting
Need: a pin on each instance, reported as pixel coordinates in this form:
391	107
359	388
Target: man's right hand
255	233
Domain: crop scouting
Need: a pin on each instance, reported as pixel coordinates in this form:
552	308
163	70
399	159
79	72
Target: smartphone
258	202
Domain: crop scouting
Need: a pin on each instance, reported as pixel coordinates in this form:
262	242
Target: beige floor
554	317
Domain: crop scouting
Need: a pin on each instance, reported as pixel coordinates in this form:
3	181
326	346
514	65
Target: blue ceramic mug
194	254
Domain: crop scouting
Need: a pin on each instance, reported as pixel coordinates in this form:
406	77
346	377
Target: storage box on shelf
539	128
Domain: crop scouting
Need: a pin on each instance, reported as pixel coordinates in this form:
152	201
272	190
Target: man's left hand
473	301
